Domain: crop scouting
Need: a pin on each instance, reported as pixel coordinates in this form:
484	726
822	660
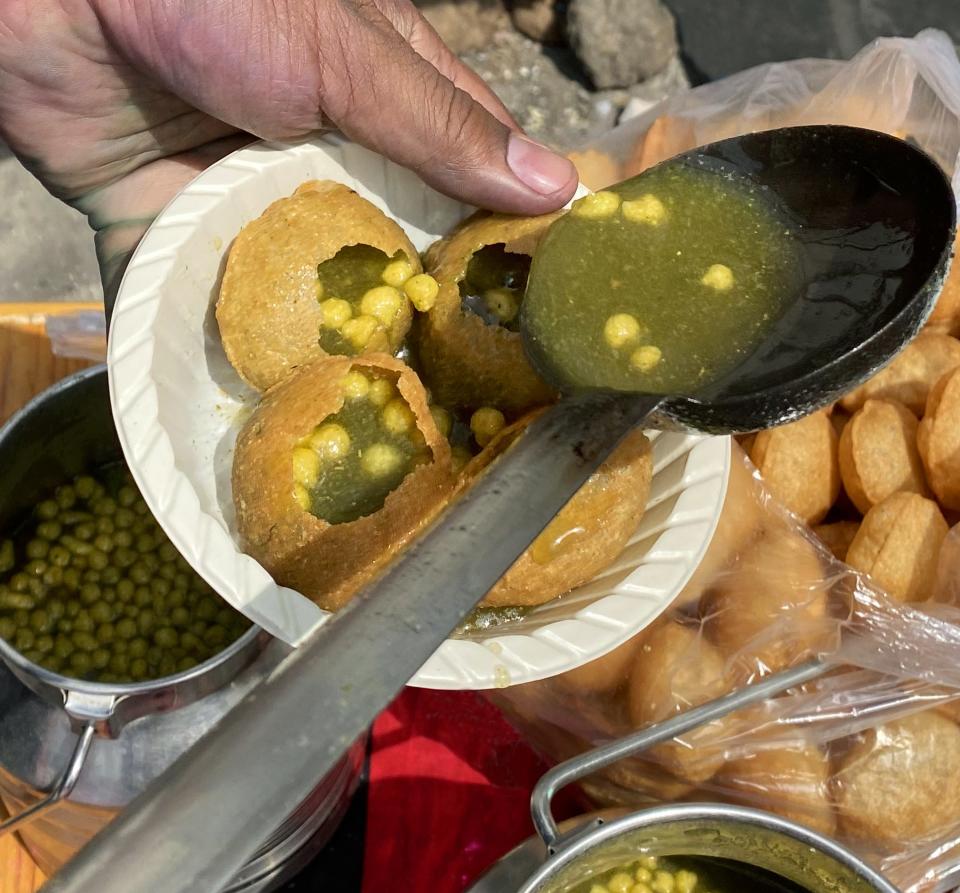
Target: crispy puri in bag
799	465
837	536
676	669
897	545
938	439
277	312
772	610
589	532
324	502
878	454
790	781
900	781
910	376
468	342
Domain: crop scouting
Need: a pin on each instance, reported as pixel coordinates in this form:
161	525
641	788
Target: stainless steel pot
74	753
561	859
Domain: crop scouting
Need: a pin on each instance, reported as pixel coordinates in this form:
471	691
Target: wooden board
27	366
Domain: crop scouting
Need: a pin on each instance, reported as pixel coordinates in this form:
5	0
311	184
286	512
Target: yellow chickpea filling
422	290
486	423
620	330
646	358
596	206
645	209
719	277
348	464
442	419
650	875
360	295
502	304
493	285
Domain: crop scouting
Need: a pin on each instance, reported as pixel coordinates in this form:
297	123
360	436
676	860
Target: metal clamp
572	770
61	789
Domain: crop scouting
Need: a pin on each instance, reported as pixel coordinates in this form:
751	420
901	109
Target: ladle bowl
874	219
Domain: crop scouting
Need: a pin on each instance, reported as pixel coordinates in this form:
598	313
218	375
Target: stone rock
621	42
637	99
466	25
541	20
548	103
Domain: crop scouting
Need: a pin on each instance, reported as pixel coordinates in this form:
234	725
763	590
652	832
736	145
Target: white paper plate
178	406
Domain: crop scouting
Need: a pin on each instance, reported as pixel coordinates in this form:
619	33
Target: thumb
388	97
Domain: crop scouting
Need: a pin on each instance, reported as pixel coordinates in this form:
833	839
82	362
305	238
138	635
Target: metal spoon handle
206	816
576	768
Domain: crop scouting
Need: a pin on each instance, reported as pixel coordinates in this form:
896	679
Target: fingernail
539	168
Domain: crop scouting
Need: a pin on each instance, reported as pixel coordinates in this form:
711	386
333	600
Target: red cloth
449	793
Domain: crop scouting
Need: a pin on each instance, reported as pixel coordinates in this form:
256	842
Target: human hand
117	104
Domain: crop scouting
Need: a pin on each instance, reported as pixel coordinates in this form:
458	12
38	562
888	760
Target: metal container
74	753
562	859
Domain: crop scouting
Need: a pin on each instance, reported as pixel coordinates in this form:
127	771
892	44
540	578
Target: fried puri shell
837	536
606	673
468	363
910	376
799	465
938	440
587	534
268	311
878	454
790	781
897	545
900	782
326	562
676	669
774	609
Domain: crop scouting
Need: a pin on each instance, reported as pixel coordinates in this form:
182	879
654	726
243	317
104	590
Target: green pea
168	572
109	594
159	586
167	552
85	486
138	647
126	591
139	669
75	518
126	496
40	621
37	548
151	561
80	663
44	644
71	578
180	617
104	507
59	556
52	663
35	568
146	622
110	575
139	573
105	633
49	530
56	608
12	601
80	563
65	625
121	646
101	612
103	542
8	557
63	647
154	655
207	609
65	496
123	539
124	557
85	641
131	611
119	664
37	588
7	628
86	531
198	628
166	637
76	547
53	576
126	628
140	507
215	636
226	616
19	582
47	510
124	520
105	525
23	639
98	560
167	666
83	622
91	576
90	593
100	658
142	597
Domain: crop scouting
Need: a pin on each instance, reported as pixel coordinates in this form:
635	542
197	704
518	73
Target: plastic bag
81	335
870	751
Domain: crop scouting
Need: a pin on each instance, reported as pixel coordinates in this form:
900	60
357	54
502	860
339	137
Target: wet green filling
346	490
657	269
481	619
493	285
349	275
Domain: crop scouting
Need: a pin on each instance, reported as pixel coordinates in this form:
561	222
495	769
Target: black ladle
296	726
876	227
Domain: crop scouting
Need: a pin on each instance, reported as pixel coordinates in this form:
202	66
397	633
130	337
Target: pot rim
585	838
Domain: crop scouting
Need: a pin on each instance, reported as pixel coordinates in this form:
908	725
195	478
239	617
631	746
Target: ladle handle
61	789
592	761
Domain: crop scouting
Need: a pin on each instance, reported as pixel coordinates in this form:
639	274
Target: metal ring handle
585	764
62	788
